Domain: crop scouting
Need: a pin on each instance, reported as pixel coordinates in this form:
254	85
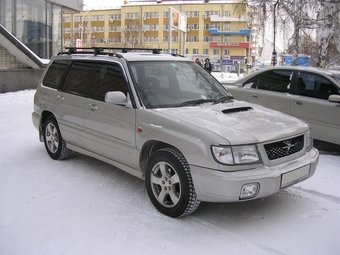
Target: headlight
309	140
244	154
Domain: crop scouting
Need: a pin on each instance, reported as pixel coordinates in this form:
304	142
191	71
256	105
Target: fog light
249	190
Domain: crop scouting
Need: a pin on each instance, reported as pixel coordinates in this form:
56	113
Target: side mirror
334	98
117	97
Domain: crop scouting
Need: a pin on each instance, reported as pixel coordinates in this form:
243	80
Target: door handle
60	98
93	107
253	95
298	102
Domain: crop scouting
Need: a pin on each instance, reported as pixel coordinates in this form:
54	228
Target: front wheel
54	143
169	184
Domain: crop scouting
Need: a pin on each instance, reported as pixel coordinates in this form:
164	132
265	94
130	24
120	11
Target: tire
54	143
169	184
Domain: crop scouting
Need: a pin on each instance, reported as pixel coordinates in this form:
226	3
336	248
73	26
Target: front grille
284	148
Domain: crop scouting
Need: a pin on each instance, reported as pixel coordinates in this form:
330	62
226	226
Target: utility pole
274	54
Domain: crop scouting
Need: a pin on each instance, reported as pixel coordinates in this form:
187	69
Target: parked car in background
166	120
310	94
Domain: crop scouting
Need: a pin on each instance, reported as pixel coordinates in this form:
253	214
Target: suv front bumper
219	186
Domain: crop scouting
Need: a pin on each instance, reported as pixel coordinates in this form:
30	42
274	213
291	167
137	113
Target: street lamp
274	55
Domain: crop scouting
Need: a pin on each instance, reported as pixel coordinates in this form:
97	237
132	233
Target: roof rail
100	50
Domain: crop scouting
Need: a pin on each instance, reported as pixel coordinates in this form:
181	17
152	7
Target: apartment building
218	31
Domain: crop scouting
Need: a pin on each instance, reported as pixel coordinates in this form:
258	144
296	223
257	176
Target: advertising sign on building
178	20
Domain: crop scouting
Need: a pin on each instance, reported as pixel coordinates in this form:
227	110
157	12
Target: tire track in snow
309	196
214	236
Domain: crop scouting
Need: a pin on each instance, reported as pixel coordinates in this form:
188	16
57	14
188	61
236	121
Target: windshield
176	84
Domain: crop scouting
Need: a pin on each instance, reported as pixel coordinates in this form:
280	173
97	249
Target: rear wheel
54	143
169	184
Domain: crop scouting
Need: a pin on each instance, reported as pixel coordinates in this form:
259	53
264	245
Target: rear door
109	129
271	89
71	99
312	105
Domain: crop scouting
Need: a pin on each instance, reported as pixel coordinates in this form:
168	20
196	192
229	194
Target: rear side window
275	80
55	73
312	85
79	78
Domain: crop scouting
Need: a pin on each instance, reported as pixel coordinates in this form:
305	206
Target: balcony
243	45
216	18
215	31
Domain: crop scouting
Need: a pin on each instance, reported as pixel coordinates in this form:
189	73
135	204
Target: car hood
239	122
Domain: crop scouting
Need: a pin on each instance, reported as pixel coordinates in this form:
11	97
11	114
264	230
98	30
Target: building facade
222	32
30	34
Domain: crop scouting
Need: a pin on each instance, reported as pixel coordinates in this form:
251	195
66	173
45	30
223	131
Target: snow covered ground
83	206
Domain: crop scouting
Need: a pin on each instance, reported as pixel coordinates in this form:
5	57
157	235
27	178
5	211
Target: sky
90	4
87	207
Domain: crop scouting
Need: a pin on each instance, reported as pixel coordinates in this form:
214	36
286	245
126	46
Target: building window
166	27
154	27
93	17
206	26
77	19
216	51
146	27
226	52
118	16
215	26
165	39
67	30
112	17
194	51
165	14
216	39
146	39
67	19
101	17
195	27
206	39
154	39
226	39
111	29
118	29
206	51
147	15
188	14
187	39
195	39
226	26
174	51
174	39
227	14
154	15
195	14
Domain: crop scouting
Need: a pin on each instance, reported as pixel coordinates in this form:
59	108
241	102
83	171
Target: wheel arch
148	149
44	116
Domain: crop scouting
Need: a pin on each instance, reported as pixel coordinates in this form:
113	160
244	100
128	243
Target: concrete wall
19	79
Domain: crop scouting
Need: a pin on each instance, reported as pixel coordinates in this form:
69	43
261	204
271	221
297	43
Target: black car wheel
54	143
169	184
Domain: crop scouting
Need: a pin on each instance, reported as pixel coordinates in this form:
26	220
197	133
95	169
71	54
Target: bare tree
303	18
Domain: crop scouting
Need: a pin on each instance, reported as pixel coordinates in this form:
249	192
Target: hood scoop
239	109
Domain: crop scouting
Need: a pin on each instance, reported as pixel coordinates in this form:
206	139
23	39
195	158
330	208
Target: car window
275	80
107	77
313	85
251	83
55	73
78	79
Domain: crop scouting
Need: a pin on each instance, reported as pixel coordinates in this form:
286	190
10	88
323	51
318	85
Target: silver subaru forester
164	119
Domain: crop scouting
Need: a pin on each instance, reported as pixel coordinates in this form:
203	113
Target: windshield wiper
223	99
196	102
